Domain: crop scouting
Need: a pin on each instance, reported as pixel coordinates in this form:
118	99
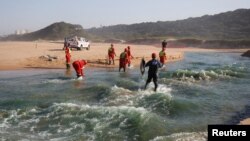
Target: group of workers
124	61
125	57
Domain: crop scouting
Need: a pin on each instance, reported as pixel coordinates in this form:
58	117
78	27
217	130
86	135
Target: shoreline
25	55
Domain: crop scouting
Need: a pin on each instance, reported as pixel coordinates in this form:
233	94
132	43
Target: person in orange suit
162	55
123	60
67	56
111	54
79	66
129	56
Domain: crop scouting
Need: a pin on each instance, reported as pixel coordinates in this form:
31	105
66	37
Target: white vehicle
77	42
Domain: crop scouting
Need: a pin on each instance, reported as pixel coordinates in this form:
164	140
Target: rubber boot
68	66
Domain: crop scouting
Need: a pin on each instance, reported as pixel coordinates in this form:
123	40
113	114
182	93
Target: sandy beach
22	55
25	55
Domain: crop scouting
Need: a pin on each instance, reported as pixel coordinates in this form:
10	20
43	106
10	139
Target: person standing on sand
164	44
67	56
111	54
129	56
153	65
123	60
79	66
162	55
65	43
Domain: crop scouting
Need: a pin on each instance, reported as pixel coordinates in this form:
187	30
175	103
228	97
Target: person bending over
79	66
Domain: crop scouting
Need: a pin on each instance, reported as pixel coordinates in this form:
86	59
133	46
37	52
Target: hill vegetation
230	29
231	25
55	31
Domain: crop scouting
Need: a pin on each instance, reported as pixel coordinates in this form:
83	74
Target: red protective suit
111	54
162	56
123	60
67	56
129	56
78	66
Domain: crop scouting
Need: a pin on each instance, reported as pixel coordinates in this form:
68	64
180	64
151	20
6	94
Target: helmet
153	55
128	47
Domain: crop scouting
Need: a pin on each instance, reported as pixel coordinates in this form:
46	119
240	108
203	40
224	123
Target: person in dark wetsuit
164	44
152	71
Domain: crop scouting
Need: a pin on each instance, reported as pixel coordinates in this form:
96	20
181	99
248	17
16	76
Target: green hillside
231	25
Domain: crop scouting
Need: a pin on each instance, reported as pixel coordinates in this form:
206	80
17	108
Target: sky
37	14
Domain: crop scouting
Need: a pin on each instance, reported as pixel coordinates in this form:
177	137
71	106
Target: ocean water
204	88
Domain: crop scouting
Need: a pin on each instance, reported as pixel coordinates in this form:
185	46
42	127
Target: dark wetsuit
164	44
152	72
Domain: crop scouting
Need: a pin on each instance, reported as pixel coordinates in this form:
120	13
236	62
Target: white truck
77	42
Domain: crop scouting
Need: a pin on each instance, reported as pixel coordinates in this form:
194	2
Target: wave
118	96
158	102
127	83
209	74
59	81
80	121
149	99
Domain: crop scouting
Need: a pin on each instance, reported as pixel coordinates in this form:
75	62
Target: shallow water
204	88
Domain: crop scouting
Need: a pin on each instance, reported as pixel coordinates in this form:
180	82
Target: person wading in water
153	65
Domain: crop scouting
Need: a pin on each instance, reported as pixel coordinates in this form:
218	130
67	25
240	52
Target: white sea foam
164	89
120	90
56	81
79	78
122	96
102	108
131	67
119	96
61	81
